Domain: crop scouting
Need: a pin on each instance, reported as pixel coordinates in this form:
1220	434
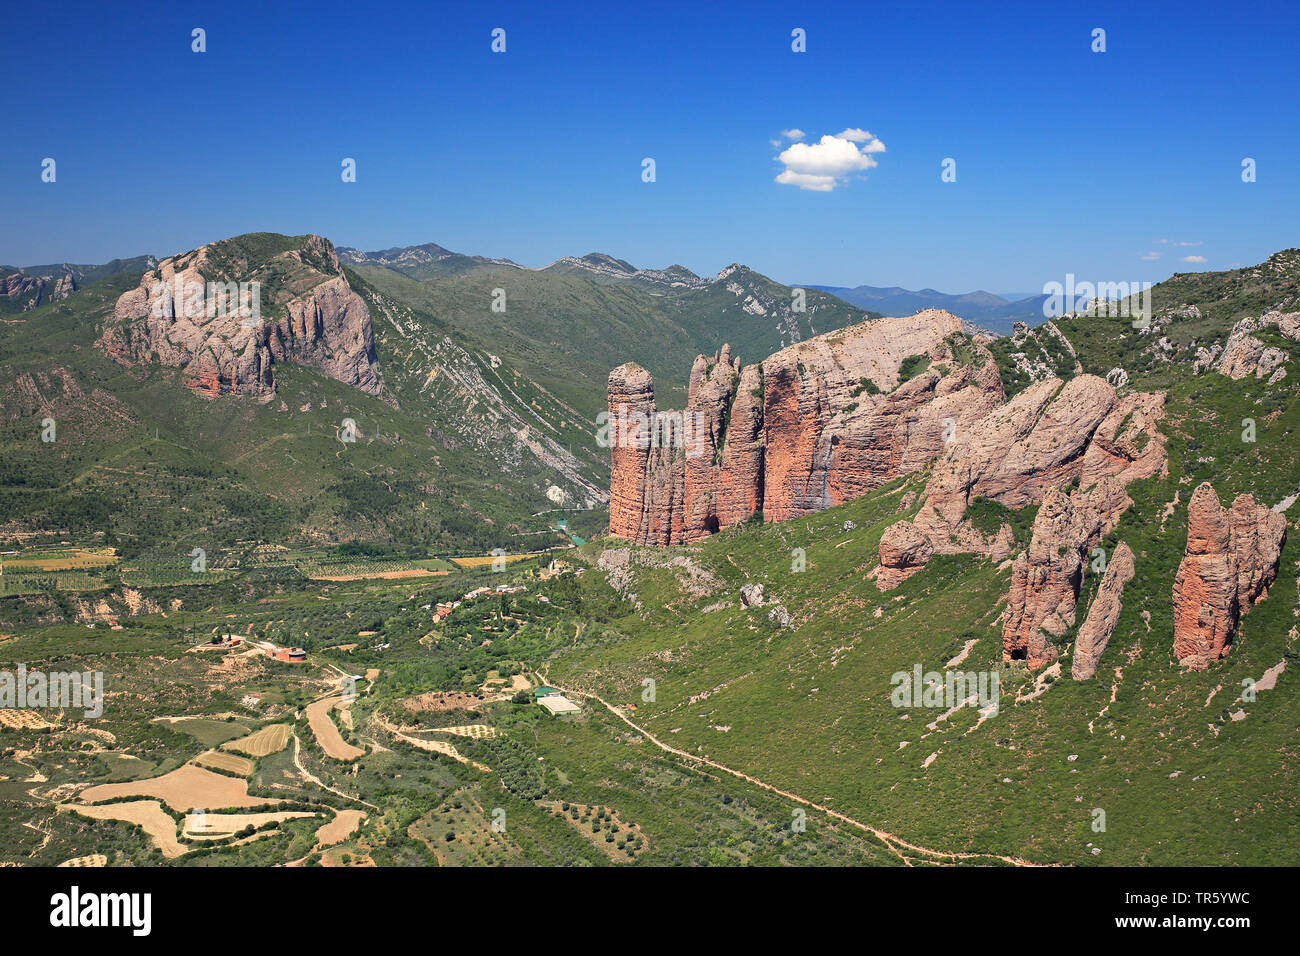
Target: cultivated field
23	720
261	743
343	825
219	826
148	815
477	731
392	575
186	788
362	569
484	560
327	734
227	762
442	701
63	559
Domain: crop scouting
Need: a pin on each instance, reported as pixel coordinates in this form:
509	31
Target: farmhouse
290	655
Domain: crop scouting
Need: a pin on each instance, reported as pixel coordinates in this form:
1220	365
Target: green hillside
567	325
142	464
707	732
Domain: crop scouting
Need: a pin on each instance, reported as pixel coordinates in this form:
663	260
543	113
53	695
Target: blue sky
1067	160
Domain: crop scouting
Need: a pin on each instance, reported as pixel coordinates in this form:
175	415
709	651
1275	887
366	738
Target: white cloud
1150	256
795	134
821	166
1195	259
818	184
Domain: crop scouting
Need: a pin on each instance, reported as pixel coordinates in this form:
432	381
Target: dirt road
896	844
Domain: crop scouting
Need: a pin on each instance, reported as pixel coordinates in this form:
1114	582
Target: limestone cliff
227	312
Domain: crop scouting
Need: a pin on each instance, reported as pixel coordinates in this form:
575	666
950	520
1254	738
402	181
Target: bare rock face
1046	577
904	550
1099	625
1245	354
831	439
226	316
814	425
681	476
1288	323
631	416
1230	561
1045	438
24	292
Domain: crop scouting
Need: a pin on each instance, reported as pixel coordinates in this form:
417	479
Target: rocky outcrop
830	439
1099	625
681	476
1042	353
1049	436
21	292
904	550
1046	577
1052	437
1246	354
1230	561
1287	323
226	315
812	426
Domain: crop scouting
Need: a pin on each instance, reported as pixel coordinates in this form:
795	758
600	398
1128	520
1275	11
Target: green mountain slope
458	457
1185	771
1188	768
567	325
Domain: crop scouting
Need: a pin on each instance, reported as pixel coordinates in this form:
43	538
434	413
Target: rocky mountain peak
226	312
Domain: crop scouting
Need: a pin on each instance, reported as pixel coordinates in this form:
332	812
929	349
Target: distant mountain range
994	312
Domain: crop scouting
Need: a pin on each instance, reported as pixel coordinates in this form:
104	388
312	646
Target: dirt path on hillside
890	840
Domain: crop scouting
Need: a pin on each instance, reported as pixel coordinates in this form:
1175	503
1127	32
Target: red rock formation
812	426
642	507
904	550
1230	560
829	440
1046	577
310	316
1094	634
1047	437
